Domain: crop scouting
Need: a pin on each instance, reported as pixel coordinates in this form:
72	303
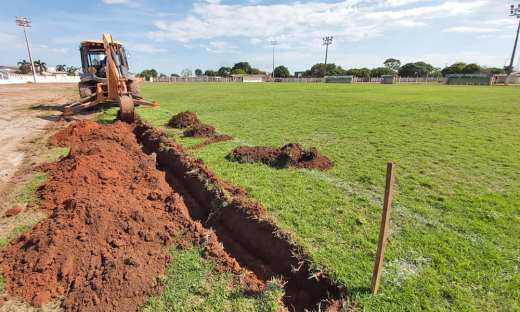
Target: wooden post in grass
383	231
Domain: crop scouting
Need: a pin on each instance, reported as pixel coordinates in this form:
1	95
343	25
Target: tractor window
95	58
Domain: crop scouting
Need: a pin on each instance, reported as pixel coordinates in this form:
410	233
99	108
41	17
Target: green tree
198	72
162	75
281	72
244	66
210	73
147	73
24	67
186	72
380	71
40	66
417	69
492	70
71	70
61	68
224	71
256	71
317	70
455	68
472	68
238	71
393	63
174	75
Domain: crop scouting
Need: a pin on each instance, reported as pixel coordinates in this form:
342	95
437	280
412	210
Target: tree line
391	66
25	68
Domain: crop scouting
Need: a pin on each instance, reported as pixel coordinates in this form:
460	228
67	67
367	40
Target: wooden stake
383	231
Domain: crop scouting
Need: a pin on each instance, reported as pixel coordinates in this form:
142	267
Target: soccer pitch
454	230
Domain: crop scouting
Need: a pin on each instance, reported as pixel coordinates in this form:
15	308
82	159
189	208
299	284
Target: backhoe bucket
126	108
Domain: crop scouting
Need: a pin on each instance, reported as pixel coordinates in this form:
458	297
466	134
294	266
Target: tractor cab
93	58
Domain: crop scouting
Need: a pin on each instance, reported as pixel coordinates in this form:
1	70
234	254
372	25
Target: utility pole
514	12
22	21
273	43
326	42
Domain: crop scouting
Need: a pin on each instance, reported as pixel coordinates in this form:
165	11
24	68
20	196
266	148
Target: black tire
133	87
85	89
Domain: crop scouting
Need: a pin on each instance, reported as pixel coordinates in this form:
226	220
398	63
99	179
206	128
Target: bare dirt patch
292	154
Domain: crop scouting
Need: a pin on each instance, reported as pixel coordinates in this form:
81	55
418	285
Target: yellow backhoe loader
106	78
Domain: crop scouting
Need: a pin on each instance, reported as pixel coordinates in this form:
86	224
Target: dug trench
256	243
111	210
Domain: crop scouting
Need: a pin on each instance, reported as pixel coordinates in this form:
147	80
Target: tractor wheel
133	87
85	89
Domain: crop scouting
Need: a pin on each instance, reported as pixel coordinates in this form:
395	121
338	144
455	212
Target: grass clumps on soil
291	154
192	284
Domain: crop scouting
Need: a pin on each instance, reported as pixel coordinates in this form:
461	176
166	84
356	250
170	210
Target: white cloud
352	19
125	2
218	44
147	48
468	29
7	38
255	40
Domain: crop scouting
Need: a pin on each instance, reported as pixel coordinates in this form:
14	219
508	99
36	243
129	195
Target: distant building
11	69
298	74
247	78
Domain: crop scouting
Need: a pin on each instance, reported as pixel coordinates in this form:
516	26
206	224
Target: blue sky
207	34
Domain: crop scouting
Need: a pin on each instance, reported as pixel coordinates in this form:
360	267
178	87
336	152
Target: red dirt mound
215	139
74	133
291	154
110	214
200	130
183	120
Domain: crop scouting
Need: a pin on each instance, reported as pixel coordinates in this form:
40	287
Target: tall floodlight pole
273	43
22	21
514	12
326	42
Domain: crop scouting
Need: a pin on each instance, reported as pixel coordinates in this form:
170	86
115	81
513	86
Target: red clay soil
215	139
200	130
291	154
183	120
110	214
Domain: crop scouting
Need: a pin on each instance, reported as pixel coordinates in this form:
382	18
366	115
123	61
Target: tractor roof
97	41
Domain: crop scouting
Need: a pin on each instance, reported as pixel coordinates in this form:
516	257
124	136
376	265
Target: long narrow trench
256	244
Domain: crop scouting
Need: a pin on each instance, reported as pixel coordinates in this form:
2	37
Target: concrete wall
14	79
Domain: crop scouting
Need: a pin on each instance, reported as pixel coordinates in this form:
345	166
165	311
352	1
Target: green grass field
454	242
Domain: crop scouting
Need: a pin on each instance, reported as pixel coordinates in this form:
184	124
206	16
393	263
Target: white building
247	78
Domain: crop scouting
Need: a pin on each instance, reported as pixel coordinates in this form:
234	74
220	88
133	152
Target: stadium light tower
514	12
22	21
326	42
273	43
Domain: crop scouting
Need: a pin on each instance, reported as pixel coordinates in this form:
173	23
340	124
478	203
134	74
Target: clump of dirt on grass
291	154
183	120
200	130
111	212
195	128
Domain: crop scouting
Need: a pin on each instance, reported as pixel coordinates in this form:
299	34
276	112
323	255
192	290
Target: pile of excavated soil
200	130
111	212
183	120
291	154
195	128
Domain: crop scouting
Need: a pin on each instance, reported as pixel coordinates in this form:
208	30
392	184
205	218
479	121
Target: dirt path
28	112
